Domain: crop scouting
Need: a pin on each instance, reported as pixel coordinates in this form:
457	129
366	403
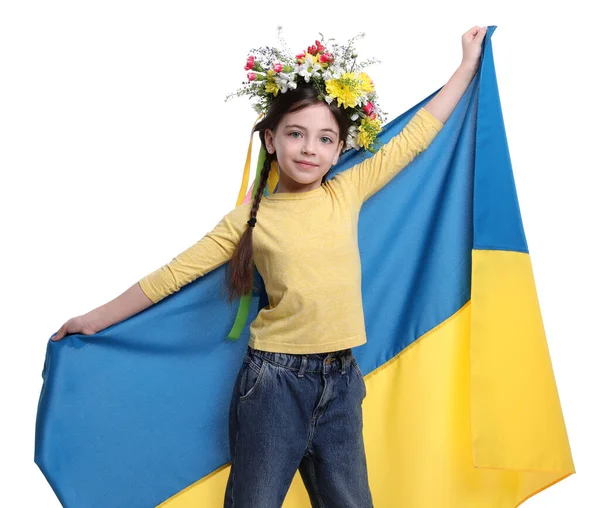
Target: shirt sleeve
208	253
372	174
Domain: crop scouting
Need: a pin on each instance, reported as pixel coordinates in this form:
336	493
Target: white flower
352	136
329	99
288	76
285	81
354	117
282	84
362	100
305	72
333	72
314	62
309	67
351	142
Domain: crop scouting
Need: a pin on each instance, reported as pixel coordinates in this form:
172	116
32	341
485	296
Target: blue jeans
297	411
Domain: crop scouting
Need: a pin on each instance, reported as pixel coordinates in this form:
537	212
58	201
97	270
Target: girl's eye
324	137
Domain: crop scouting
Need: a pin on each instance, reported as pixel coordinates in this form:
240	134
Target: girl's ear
269	140
338	153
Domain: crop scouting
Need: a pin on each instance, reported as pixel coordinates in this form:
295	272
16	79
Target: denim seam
235	448
357	368
254	367
360	375
313	477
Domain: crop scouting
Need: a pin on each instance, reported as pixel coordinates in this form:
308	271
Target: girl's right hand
77	324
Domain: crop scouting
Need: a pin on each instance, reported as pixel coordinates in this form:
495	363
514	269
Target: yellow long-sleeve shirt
306	250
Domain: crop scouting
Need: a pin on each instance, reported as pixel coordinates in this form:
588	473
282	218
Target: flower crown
332	69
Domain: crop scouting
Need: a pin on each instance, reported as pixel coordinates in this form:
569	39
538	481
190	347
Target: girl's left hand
471	45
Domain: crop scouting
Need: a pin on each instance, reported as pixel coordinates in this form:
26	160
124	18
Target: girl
297	398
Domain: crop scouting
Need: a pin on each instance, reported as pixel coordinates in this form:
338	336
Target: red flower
249	63
299	57
369	108
278	67
320	47
312	49
251	76
372	116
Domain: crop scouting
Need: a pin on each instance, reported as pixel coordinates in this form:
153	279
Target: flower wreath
332	69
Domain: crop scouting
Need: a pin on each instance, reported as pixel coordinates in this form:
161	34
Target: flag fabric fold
462	407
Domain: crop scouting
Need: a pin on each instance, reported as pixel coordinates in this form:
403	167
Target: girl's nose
308	149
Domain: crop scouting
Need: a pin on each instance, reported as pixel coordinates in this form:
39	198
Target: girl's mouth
306	166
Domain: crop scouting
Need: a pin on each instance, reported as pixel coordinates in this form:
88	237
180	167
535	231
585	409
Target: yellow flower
365	81
272	87
346	89
367	131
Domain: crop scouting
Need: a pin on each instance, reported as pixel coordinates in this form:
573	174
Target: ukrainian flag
462	408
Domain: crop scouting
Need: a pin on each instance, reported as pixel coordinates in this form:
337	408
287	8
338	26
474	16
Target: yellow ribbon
246	175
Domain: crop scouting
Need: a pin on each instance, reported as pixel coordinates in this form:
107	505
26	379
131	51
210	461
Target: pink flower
312	49
278	67
369	108
372	116
326	58
300	57
251	76
249	63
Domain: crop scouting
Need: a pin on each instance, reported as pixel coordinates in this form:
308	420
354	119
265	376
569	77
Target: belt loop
302	366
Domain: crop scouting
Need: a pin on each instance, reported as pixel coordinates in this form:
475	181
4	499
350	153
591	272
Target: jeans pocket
252	373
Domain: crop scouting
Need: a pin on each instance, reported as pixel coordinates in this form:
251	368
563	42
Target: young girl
297	399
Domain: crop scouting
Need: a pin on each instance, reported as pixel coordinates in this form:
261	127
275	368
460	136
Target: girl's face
310	135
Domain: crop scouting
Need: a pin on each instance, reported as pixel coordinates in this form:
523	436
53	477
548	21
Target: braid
262	184
241	268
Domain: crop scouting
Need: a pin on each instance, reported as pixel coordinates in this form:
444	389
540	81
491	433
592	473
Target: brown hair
240	269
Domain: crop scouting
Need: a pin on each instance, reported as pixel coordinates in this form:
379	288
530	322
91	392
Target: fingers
60	334
476	31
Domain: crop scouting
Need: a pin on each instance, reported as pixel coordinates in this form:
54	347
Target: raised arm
369	176
444	102
372	174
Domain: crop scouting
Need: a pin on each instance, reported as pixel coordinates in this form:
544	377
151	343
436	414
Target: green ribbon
245	300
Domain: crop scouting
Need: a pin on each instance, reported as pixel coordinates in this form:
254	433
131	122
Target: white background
117	151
